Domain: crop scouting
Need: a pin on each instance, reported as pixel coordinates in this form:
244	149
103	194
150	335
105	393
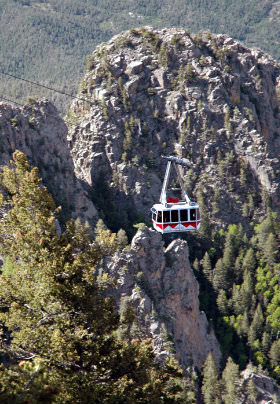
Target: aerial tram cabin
170	214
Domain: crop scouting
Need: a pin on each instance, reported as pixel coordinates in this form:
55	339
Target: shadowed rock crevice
39	132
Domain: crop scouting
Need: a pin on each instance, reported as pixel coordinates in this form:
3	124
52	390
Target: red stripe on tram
189	224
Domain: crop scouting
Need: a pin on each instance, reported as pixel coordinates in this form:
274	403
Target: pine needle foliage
59	329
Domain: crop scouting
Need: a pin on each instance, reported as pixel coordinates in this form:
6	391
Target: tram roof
176	206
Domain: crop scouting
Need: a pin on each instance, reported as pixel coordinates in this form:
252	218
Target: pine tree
222	303
61	336
121	239
246	292
237	300
196	266
207	267
266	343
267	226
256	326
229	253
270	249
230	379
210	384
249	262
244	324
220	278
205	227
252	391
274	353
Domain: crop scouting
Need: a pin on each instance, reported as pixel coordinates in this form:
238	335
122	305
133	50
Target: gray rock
166	301
40	132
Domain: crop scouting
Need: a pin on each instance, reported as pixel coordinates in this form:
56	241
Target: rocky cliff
159	283
40	133
205	97
266	389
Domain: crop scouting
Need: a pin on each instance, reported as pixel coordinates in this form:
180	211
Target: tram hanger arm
179	174
162	198
177	160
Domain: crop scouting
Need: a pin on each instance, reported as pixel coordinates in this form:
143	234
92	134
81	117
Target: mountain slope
205	97
47	41
208	98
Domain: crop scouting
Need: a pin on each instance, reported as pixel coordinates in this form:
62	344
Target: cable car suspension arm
176	163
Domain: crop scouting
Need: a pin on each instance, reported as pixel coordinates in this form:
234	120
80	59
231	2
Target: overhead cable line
48	88
23	105
14	102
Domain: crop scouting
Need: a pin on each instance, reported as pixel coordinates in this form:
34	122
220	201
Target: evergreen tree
244	324
229	252
210	384
238	272
274	353
246	292
220	278
266	343
205	227
122	239
249	261
230	379
222	302
267	226
256	326
207	267
252	391
196	266
237	300
270	249
273	307
59	326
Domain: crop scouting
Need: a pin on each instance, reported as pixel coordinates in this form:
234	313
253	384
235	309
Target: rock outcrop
266	389
205	97
162	288
39	132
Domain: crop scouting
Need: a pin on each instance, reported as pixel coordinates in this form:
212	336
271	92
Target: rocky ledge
159	283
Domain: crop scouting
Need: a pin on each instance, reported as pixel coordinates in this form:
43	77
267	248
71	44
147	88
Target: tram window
198	214
184	215
166	216
174	216
154	216
159	217
192	214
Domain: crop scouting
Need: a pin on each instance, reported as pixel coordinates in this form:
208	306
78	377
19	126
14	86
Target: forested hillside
48	41
62	340
78	301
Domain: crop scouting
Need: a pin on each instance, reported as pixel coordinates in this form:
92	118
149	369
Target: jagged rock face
268	392
40	133
204	97
163	289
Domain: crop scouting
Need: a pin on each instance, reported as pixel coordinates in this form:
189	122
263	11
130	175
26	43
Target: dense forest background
237	267
48	41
